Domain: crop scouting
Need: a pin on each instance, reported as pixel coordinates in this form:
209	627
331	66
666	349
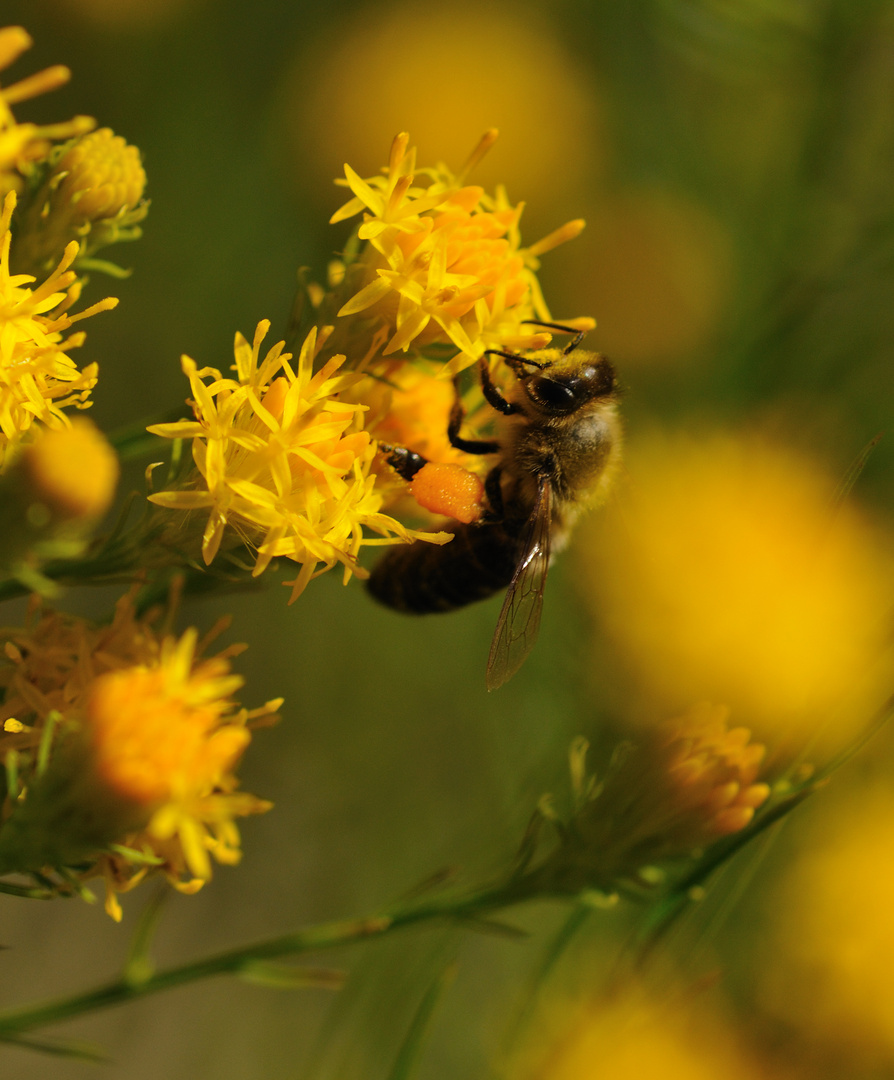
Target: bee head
562	387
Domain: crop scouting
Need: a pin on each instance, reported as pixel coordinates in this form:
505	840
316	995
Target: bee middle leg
493	491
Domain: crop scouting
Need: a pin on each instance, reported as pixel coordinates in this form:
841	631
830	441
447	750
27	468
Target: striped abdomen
421	578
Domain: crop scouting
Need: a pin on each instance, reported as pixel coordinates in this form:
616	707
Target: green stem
314	938
666	912
577	919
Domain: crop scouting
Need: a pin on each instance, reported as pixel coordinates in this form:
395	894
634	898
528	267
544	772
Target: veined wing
519	618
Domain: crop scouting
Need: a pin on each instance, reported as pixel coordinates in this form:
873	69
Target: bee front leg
468	446
493	395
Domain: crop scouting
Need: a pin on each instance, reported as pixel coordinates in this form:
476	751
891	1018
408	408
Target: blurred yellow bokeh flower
632	1036
826	964
282	461
508	68
729	573
71	471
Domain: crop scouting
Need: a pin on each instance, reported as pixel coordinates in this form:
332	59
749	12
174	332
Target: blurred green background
734	162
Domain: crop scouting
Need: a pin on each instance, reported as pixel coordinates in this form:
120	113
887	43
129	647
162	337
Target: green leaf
290	976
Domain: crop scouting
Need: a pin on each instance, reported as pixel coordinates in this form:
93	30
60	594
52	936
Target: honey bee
558	441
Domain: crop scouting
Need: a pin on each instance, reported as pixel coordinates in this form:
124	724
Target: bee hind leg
406	463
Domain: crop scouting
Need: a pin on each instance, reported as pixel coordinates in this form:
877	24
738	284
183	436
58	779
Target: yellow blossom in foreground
147	738
37	377
631	1036
72	471
443	262
731	573
282	462
23	144
829	953
54	491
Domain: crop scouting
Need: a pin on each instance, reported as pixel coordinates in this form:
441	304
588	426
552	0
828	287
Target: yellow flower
37	377
408	405
829	953
166	737
443	262
23	144
682	785
141	776
730	574
282	462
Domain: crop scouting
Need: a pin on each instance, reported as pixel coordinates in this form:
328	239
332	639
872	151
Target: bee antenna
578	334
514	358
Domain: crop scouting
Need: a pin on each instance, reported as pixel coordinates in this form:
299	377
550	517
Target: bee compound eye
552	395
600	377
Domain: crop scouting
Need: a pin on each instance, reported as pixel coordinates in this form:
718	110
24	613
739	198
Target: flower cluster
38	379
281	461
120	744
442	264
434	276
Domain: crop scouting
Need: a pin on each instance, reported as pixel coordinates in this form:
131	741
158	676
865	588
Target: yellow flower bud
101	176
93	194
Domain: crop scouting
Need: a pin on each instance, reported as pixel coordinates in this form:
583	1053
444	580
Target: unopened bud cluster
93	194
679	788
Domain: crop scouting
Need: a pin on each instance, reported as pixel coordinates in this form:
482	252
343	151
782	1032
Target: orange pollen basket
450	490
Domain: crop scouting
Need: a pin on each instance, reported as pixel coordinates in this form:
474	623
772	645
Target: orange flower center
153	741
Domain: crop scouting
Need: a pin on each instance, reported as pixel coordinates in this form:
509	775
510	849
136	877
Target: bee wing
519	618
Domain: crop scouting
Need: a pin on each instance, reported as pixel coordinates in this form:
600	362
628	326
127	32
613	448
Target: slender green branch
666	912
28	891
233	961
